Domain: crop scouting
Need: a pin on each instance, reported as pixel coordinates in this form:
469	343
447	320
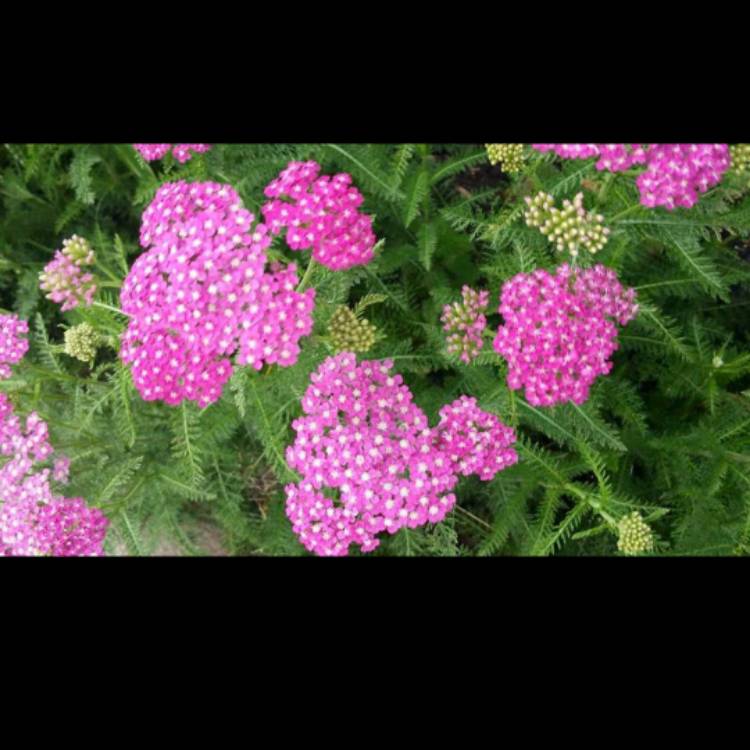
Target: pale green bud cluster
569	228
740	157
348	333
508	155
81	342
636	536
79	250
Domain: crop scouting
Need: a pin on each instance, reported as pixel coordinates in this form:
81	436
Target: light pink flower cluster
181	151
465	322
323	215
33	519
63	277
557	336
475	441
201	293
367	457
13	346
675	172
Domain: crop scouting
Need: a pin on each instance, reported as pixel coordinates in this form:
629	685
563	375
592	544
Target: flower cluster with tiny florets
558	337
181	151
465	323
321	213
201	294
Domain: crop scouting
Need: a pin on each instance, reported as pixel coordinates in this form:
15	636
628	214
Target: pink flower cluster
557	336
181	151
475	441
367	459
675	172
13	346
201	293
614	157
33	519
63	277
465	322
322	214
371	463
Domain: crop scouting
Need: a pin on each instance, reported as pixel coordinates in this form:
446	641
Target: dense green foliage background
667	433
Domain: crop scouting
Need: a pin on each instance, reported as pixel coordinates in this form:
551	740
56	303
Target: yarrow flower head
635	535
509	156
34	520
569	228
321	213
612	157
201	294
63	278
558	336
348	333
367	459
13	344
81	342
465	322
475	441
675	172
181	151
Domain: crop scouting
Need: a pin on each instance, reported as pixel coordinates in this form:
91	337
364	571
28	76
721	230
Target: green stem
105	306
308	274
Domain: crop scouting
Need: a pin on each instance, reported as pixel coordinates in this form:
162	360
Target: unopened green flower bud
571	227
350	334
509	156
636	536
81	342
79	250
740	157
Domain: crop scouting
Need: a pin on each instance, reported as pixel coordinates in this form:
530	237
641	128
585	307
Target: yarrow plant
675	172
465	323
569	228
64	279
321	213
181	151
597	424
559	333
201	294
34	521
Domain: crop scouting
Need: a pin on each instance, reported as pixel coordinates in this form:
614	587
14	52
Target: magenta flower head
678	172
321	213
181	151
63	277
558	336
13	344
675	172
465	322
201	294
475	441
33	520
368	460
